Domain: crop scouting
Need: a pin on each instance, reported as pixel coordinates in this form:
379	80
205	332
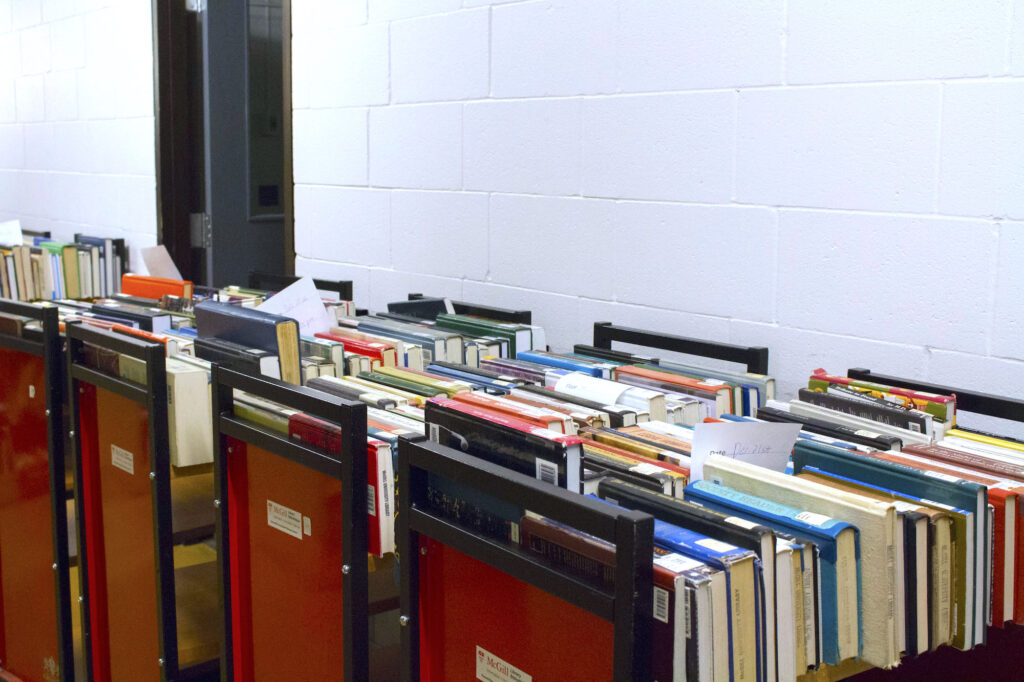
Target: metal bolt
231	449
345	568
47	413
216	503
54	567
403	620
423	550
81	599
71	434
152	474
160	662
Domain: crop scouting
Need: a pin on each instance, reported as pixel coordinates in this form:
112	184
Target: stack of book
42	269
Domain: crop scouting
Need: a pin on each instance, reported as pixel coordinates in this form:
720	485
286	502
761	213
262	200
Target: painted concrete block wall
842	182
77	135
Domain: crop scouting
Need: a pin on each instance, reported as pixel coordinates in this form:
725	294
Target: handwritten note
301	302
762	443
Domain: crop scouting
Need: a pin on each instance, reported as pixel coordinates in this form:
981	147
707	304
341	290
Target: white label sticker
547	472
661	604
742	523
714	382
371	500
941	476
490	668
122	459
813	519
676	563
647	469
284	519
31	391
715	545
307	526
866	434
435	433
904	507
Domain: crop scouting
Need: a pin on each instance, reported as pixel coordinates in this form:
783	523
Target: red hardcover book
538	417
155	288
505	420
379	476
383	353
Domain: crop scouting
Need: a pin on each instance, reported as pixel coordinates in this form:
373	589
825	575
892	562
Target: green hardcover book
401	384
520	336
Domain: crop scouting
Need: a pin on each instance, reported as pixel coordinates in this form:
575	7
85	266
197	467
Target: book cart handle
628	608
754	357
971	401
271	282
490	312
347	466
50	350
153	396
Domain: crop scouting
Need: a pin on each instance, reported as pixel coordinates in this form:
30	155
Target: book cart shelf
35	590
413	306
469	601
292	538
267	281
145	615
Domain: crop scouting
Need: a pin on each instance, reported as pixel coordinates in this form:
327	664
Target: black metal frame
50	350
490	312
267	281
754	357
348	467
154	397
628	608
969	401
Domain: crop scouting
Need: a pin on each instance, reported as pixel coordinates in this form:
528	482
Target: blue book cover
562	363
824	533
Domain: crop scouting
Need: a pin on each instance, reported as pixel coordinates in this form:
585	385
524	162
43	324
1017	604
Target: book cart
35	594
477	608
146	615
292	538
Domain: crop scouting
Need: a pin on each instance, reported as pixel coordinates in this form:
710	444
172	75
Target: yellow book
449	387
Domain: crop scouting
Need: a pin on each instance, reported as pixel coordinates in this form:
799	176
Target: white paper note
765	444
301	302
10	233
158	262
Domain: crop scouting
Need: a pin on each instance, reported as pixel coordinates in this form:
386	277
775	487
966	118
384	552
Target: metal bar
12	307
969	401
120	343
583	513
312	458
128	389
163	527
407	542
754	357
634	544
53	367
491	312
308	400
274	282
221	401
514	563
20	344
355	584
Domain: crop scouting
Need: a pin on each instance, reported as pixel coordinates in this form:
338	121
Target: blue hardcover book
826	532
476	380
924	484
553	360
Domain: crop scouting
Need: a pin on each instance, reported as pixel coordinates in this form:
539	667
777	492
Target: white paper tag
715	545
676	562
159	262
742	523
31	391
647	469
301	302
10	233
941	476
762	443
863	433
307	526
490	668
813	519
122	459
902	506
284	519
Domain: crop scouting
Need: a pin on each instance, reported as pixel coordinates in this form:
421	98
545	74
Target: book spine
904	419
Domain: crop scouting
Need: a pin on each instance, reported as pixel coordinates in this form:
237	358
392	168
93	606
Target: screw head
230	449
423	550
81	599
346	569
403	620
54	567
216	503
71	433
152	474
47	413
160	662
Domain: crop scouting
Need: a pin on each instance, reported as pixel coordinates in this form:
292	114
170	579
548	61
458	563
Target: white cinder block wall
77	135
842	182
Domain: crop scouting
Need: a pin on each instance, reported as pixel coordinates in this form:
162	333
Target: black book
872	408
276	334
148	319
423	308
613	355
347	392
253	361
826	428
556	460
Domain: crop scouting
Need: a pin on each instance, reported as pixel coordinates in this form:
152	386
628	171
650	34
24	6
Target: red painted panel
466	604
28	604
295	595
129	556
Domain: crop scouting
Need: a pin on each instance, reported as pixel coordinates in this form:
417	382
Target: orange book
155	288
546	419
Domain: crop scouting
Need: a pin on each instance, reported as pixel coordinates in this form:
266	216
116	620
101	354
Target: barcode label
661	604
371	500
435	433
547	472
916	428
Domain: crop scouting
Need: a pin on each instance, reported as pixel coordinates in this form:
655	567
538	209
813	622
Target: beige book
877	524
